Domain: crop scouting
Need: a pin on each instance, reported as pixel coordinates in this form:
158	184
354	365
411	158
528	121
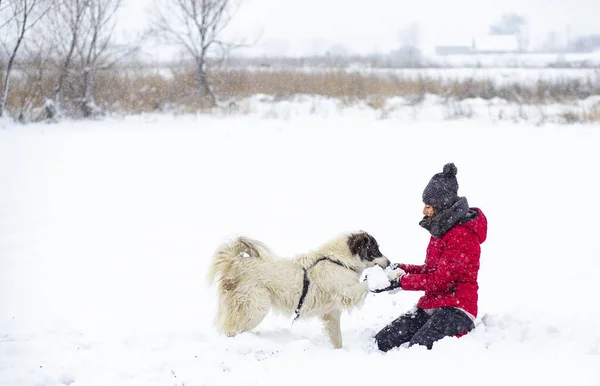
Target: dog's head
365	246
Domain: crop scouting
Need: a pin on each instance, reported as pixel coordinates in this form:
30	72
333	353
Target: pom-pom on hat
442	190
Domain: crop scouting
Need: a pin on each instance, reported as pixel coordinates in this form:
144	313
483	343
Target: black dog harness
306	282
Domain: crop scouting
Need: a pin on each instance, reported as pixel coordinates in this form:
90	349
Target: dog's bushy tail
234	252
242	301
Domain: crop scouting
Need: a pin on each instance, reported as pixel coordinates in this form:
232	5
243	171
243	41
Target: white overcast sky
297	27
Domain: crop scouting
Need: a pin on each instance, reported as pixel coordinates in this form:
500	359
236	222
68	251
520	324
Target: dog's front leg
355	294
331	321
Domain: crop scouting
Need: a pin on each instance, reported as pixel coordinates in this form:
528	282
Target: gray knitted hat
442	190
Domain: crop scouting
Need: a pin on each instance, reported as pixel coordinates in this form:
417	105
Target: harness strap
306	282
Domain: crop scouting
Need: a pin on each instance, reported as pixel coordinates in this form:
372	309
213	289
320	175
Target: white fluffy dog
252	280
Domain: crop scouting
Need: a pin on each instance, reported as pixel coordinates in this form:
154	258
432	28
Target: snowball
376	278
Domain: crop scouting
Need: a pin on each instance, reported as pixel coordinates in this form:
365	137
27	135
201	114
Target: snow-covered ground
538	60
107	229
413	109
499	76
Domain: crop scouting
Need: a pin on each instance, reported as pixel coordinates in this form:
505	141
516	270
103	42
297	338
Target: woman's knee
445	322
423	340
399	331
385	340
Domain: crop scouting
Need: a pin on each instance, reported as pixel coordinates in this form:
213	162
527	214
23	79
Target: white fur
252	281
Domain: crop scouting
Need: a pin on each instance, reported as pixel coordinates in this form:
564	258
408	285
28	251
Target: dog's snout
384	262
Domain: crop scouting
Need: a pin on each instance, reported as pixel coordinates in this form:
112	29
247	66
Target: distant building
482	44
453	50
495	44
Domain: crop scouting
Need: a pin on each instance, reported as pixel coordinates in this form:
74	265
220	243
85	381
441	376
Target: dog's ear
358	243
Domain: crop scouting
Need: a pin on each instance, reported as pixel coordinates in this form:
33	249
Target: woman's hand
394	271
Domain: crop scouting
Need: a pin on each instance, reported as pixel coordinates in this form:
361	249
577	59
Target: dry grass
334	84
145	93
581	115
139	91
28	92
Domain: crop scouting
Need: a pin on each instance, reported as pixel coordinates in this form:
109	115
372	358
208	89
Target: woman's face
428	211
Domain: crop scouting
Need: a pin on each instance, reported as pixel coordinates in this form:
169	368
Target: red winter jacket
449	275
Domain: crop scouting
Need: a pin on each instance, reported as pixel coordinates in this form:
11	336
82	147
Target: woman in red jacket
449	275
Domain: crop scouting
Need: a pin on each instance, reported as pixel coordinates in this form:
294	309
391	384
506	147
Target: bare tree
409	54
93	49
197	26
552	43
84	32
24	15
5	18
38	60
67	25
410	36
512	24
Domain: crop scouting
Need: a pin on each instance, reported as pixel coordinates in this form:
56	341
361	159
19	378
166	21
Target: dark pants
418	327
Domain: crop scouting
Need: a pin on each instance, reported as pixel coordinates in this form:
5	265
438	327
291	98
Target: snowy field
537	60
107	229
499	76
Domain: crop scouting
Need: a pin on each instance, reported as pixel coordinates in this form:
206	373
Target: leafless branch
85	32
4	20
196	26
66	22
25	15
